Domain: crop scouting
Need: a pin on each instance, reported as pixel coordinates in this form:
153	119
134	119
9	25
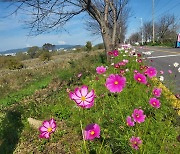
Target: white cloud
61	42
28	45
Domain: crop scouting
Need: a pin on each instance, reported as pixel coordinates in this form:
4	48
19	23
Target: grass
49	98
26	91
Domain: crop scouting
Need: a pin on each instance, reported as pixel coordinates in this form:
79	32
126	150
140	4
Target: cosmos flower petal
77	92
46	124
43	129
90	94
84	90
47	135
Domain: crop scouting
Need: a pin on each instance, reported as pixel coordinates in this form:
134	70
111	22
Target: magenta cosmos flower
47	128
100	69
138	115
91	131
140	78
135	142
157	92
154	102
115	53
151	72
115	83
129	121
82	97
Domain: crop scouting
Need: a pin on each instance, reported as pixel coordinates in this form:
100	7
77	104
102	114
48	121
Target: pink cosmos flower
116	66
91	131
157	92
79	75
139	60
100	69
125	60
139	55
115	53
121	63
122	72
110	53
141	67
170	72
154	102
138	115
47	128
161	72
145	67
135	142
129	121
115	83
140	78
151	72
82	97
135	71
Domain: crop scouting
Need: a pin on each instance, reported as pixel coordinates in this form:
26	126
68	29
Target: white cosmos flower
179	69
161	78
112	64
176	64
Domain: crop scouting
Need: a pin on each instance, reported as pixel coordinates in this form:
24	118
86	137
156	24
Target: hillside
26	49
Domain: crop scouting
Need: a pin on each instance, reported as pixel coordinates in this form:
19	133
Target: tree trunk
107	42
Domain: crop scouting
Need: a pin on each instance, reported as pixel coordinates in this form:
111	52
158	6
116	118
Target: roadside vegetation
48	95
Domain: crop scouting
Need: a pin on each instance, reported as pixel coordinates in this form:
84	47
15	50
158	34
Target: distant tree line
44	53
166	29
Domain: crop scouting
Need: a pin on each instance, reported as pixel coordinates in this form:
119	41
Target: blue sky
13	34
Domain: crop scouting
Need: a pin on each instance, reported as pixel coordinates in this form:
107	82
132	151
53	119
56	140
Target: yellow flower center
135	142
83	98
116	82
139	79
92	132
49	129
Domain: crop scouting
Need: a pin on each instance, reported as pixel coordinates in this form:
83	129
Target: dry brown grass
14	80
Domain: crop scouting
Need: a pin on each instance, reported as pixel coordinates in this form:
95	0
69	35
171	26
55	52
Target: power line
165	12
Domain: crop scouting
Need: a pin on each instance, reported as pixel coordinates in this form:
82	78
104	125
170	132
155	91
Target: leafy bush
88	46
45	56
10	62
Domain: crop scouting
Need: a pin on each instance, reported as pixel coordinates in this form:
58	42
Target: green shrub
88	46
10	62
45	56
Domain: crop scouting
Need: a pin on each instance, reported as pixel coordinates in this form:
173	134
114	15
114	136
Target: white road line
164	56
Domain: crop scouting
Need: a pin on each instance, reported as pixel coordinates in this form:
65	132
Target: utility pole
141	31
153	19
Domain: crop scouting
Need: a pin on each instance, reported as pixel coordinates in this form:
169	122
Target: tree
88	46
50	14
121	27
32	51
147	28
136	37
48	47
166	27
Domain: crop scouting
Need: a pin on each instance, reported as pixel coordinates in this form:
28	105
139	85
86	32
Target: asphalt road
163	59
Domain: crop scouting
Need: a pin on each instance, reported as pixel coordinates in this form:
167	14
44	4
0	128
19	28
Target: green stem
83	137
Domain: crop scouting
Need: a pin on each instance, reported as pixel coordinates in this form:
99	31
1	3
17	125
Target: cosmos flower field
97	107
119	109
